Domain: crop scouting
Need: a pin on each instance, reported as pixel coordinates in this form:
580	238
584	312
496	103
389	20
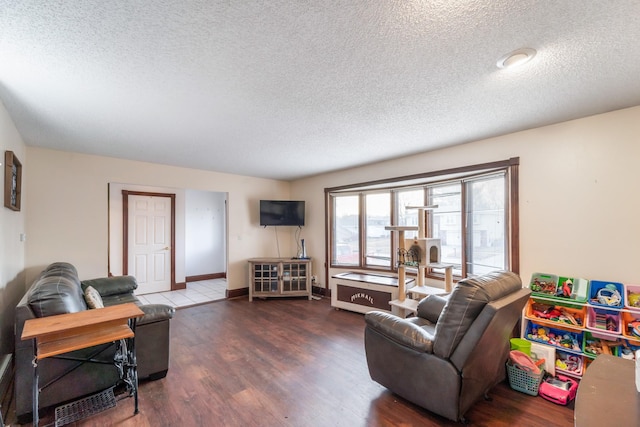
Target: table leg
133	365
35	385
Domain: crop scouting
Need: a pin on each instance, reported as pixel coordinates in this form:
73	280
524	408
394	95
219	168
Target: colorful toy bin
596	344
560	287
632	297
606	294
569	363
565	315
560	338
599	319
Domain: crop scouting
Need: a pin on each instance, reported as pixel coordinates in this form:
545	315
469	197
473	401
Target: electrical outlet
314	279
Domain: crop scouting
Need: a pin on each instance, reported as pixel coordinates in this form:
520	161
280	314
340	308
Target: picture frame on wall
12	181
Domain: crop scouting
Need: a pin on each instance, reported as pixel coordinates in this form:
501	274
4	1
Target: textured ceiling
287	89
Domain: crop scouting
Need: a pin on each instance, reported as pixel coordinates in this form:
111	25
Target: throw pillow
93	298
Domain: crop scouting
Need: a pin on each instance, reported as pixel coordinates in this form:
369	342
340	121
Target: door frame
125	230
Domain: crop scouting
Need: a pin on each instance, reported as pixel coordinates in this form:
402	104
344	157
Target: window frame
396	184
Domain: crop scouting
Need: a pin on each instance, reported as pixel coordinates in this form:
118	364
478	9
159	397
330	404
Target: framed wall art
12	181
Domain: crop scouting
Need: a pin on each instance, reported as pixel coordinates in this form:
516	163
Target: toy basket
524	381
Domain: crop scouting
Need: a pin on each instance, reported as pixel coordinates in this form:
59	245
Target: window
377	217
446	223
345	249
485	207
475	219
408	217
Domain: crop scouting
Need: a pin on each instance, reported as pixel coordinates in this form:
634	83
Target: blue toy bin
600	291
556	337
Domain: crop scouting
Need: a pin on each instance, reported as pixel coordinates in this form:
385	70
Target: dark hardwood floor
290	362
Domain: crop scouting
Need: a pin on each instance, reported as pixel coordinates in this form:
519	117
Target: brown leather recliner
454	351
57	291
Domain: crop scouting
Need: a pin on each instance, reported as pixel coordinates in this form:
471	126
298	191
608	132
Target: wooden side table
55	335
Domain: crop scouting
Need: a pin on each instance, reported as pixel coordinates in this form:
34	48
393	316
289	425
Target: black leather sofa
58	290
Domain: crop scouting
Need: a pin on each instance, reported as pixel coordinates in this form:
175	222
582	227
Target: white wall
67	214
205	233
12	224
578	199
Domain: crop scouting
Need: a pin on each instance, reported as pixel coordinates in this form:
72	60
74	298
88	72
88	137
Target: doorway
200	243
149	240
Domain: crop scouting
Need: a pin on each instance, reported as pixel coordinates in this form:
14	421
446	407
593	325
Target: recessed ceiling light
516	58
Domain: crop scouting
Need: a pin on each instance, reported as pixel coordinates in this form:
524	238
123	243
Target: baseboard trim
235	293
210	276
179	285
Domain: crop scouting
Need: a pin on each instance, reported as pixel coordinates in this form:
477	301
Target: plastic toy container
632	297
561	288
521	344
631	322
628	349
595	344
565	315
599	319
559	338
569	363
543	284
606	294
573	288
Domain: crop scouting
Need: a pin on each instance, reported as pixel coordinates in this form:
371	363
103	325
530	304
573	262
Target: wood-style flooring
290	362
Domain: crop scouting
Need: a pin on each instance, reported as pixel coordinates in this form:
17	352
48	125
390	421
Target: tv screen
281	212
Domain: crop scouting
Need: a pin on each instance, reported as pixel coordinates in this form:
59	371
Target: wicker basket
524	381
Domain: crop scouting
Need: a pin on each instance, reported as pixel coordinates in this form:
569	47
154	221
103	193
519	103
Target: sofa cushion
93	298
112	285
56	291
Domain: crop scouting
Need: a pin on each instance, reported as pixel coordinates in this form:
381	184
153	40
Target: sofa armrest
400	330
111	285
155	313
430	307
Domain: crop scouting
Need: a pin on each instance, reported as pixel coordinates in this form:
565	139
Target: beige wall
67	213
12	224
578	199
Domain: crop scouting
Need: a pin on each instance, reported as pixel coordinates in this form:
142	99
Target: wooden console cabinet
279	277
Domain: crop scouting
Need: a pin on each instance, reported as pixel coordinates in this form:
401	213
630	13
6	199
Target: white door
150	243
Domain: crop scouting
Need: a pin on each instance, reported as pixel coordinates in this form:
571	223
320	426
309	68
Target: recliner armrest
400	330
114	285
155	313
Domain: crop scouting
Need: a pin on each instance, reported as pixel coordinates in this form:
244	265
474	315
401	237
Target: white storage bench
364	292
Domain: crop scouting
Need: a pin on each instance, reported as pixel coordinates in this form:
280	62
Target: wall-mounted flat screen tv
281	212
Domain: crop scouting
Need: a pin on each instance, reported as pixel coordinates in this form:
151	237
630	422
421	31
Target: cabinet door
265	278
294	277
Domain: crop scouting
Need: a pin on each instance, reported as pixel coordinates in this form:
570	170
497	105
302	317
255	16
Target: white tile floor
195	293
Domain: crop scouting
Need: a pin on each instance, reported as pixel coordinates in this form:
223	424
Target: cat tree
421	253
